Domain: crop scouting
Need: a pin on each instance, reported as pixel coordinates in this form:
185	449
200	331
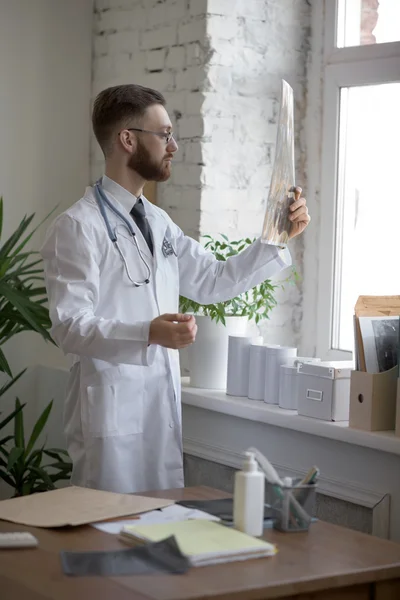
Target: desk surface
327	558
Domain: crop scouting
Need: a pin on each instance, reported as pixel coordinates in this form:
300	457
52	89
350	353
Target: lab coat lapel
122	230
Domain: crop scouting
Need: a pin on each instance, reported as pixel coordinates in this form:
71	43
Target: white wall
45	80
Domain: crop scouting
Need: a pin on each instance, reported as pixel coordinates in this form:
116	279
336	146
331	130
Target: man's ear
127	141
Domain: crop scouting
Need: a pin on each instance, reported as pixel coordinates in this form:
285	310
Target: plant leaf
15	454
19	426
27	488
10	417
4	366
4	451
28	309
35	457
7	385
38	428
28	220
7	478
40	472
53	452
6	439
15	237
62	466
60	476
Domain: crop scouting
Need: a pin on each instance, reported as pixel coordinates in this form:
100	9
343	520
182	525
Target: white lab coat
122	415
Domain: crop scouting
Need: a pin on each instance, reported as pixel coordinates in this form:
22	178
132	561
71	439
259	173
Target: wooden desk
328	563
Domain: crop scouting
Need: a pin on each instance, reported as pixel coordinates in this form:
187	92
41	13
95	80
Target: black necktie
138	214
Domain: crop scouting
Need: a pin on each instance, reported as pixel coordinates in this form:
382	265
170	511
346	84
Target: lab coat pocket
113	410
101	414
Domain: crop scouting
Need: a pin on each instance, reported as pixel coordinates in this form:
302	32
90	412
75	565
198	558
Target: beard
146	167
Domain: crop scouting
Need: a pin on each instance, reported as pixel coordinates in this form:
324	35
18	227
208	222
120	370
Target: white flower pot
208	355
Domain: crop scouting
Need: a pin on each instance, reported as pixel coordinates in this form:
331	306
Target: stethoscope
103	201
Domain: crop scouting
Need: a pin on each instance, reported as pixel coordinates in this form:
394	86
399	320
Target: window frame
342	67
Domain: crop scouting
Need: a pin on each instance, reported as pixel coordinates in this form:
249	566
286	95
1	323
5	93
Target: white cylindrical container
288	387
274	358
237	383
256	372
208	355
248	498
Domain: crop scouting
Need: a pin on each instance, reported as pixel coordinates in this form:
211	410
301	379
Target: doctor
115	265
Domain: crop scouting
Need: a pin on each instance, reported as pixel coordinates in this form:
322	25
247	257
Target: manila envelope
75	506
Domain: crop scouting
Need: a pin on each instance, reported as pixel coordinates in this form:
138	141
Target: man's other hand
173	330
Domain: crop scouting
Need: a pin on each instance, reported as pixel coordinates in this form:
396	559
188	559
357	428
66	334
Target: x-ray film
277	226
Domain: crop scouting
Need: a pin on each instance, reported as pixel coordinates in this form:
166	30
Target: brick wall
253	45
219	63
160	45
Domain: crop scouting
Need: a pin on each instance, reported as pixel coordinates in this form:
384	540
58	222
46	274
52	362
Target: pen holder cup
292	506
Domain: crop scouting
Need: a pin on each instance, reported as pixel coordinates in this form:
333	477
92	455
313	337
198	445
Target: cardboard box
373	400
324	390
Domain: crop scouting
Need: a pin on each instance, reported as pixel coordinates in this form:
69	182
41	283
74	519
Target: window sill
218	401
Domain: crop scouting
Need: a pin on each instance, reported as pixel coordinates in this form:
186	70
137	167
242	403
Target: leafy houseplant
256	304
22	308
22	463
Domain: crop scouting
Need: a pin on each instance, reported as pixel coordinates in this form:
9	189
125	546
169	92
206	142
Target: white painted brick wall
193	30
175	58
160	37
253	44
160	45
219	63
155	59
190	127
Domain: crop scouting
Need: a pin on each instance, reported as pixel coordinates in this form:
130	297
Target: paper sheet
75	506
165	515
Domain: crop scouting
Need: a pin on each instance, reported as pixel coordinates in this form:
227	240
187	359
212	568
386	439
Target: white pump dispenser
248	499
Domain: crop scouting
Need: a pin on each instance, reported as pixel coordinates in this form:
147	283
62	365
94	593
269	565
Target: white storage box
288	388
324	390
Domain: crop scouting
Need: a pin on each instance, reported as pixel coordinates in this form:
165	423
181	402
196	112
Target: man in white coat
113	293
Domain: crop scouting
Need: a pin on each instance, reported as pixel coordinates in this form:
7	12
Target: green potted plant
208	356
23	308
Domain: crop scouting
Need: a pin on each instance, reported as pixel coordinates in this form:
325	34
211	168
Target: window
364	22
360	160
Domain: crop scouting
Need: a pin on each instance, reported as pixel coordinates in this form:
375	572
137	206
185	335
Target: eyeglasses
166	136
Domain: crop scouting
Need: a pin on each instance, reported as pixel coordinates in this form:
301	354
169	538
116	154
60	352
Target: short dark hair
117	106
